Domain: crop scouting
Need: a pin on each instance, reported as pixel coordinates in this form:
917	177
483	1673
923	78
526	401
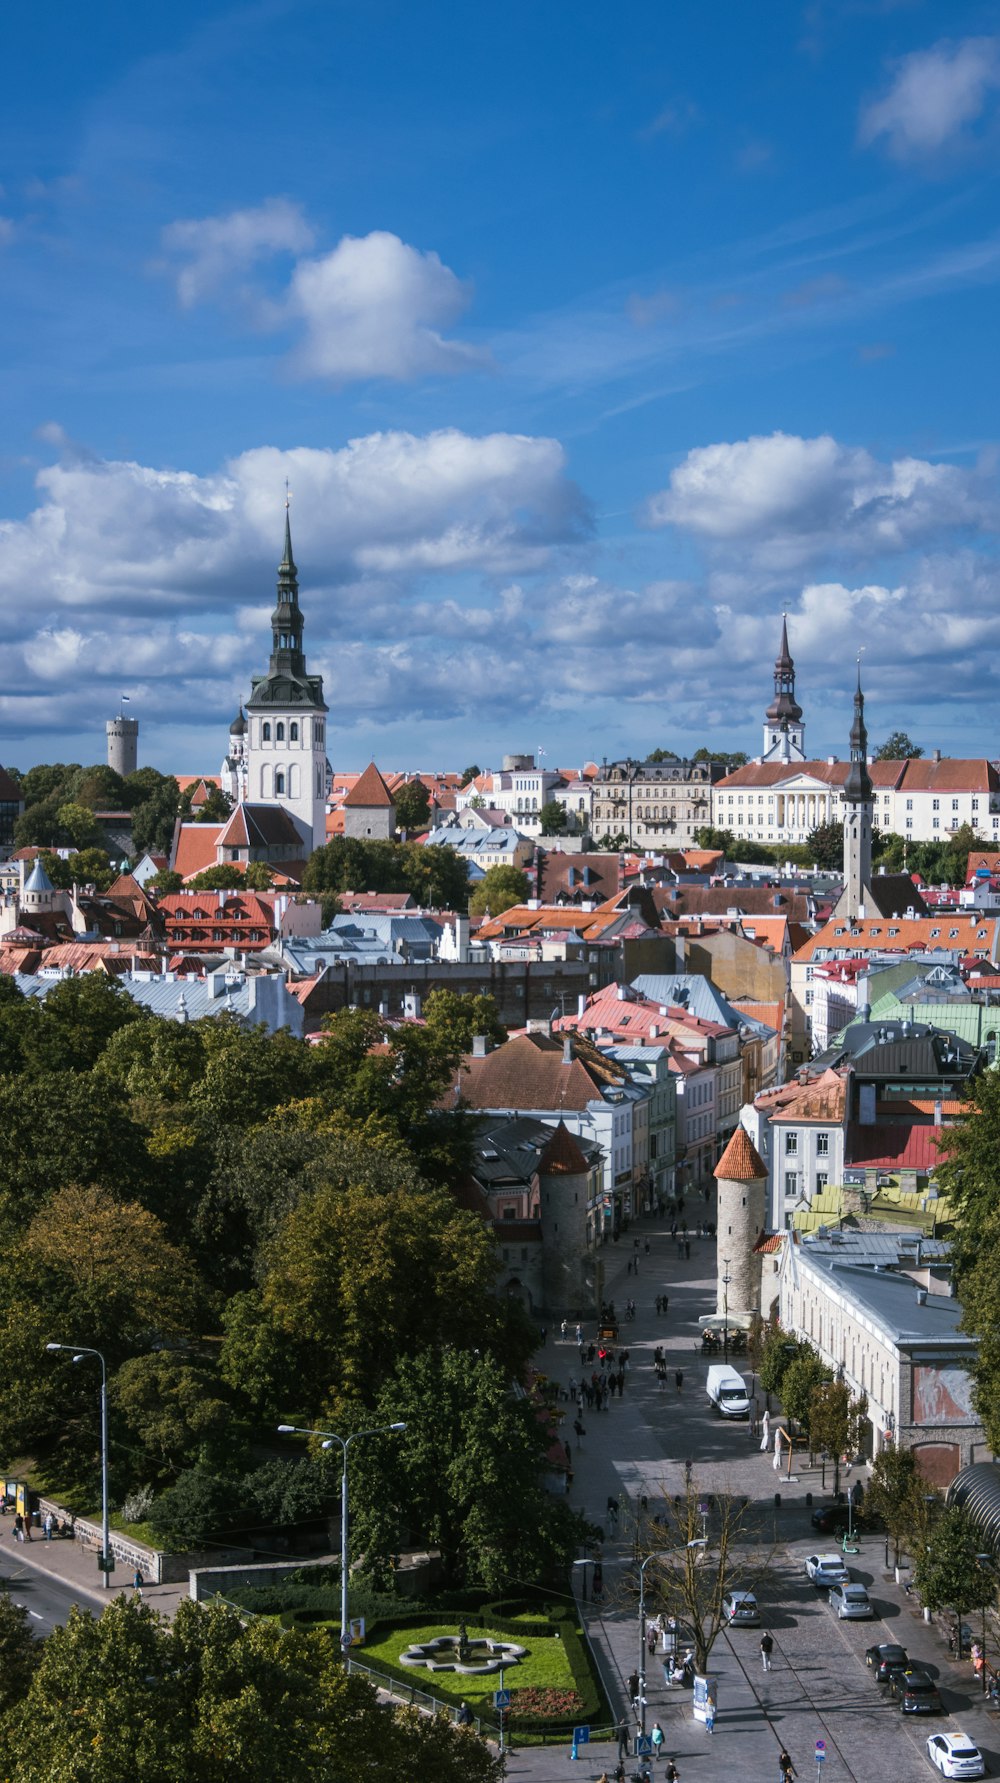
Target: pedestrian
687	1249
633	1686
766	1649
646	1247
465	1716
671	1773
19	1528
666	1303
765	1433
578	1427
786	1769
137	1579
710	1715
562	1329
656	1735
47	1525
545	1334
623	1731
678	1378
579	1334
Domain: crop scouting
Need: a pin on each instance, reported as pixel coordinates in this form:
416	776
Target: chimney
937	755
921	1296
479	1046
567	1057
581	1005
938	1111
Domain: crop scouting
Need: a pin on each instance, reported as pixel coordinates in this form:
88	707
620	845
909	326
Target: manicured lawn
544	1665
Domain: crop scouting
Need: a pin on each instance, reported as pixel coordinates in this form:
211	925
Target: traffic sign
643	1745
581	1736
501	1699
820	1751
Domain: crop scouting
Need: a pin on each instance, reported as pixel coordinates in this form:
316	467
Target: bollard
573	1751
777	1501
809	1499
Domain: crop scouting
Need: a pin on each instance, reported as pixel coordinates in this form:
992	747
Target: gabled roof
892	1145
562	1156
531	1072
741	1161
369	792
823	1098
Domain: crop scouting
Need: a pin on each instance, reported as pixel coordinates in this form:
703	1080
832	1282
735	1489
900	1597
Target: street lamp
642	1643
726	1279
80	1350
329	1437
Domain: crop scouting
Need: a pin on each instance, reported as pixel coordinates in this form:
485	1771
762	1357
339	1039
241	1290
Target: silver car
739	1610
851	1602
827	1569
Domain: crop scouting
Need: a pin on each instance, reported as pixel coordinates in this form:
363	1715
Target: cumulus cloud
209	256
375	307
934	96
787	500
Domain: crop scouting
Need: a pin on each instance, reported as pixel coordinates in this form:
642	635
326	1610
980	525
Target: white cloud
209	256
787	500
935	94
374	307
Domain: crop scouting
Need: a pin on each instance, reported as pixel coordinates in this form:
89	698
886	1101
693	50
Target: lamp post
642	1643
80	1350
329	1437
987	1565
726	1279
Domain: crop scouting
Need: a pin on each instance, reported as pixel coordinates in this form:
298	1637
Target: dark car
833	1519
918	1693
885	1658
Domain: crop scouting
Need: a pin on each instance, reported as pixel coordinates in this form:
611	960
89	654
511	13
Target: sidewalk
71	1564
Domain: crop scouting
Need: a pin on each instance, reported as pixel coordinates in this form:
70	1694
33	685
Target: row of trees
207	1699
254	1230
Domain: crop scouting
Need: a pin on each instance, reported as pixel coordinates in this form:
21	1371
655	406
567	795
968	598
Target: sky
589	341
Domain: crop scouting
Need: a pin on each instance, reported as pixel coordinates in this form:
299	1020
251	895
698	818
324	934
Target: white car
827	1569
955	1755
851	1603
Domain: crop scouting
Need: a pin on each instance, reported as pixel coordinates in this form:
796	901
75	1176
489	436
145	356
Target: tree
778	1350
466	1475
802	1376
553	818
18	1653
698	1558
459	1018
836	1422
54	1129
38	825
471	773
969	1174
224	877
898	747
955	861
195	1511
662	755
88	866
724	840
611	844
170	1401
733	758
78	825
100	787
215	808
825	845
155	804
79	1017
498	890
895	1494
891	852
947	1572
259	876
164	882
413	805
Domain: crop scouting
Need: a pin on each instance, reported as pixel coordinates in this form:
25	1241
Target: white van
727	1391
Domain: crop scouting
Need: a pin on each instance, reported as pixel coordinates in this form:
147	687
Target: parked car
739	1609
955	1755
827	1569
850	1602
918	1694
885	1658
833	1519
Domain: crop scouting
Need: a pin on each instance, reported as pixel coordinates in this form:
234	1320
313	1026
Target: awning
717	1321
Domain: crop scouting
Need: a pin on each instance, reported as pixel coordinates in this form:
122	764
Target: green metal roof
971	1022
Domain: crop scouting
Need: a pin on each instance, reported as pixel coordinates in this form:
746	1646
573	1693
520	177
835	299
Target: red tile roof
562	1156
892	1146
741	1161
369	792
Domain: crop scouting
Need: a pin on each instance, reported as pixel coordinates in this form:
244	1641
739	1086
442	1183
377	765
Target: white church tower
784	731
284	746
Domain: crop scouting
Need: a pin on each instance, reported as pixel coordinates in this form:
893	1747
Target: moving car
955	1755
851	1602
827	1569
739	1610
727	1391
917	1692
885	1658
831	1519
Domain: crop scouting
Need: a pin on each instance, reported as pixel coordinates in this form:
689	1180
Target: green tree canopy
895	1494
413	806
458	1018
898	747
88	866
498	890
836	1422
553	819
948	1573
79	1017
801	1378
470	773
825	845
78	825
222	877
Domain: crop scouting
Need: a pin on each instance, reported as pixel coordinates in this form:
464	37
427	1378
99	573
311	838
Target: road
47	1600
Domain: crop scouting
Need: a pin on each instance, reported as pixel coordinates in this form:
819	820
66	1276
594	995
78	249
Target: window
293	733
975	804
265	733
909	804
954	804
935	804
936	823
791	1145
909	823
820	1181
791	1182
279	783
822	1145
809	998
279	733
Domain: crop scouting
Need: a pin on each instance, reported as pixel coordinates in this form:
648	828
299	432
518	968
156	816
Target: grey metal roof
690	991
891	1300
849	1245
263	999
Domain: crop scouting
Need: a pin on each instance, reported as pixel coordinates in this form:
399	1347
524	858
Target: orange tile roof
741	1161
196	845
904	934
824	1098
206	780
771	1014
369	791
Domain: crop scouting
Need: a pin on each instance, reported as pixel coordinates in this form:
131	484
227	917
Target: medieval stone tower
741	1177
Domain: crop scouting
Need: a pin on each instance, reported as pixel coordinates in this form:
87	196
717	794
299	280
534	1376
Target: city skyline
585	356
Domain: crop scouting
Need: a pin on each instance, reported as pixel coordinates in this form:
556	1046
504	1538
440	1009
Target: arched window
293	733
265	733
279	783
279	732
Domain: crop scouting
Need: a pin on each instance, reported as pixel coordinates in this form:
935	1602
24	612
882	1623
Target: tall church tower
859	809
285	742
784	731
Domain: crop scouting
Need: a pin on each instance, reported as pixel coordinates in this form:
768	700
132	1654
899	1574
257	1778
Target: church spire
286	620
858	785
859	816
784	731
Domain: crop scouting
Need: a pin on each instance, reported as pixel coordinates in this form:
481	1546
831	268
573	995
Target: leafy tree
891	852
825	844
897	747
733	758
947	1572
836	1422
697	1561
53	1129
662	755
413	805
955	861
78	825
165	882
471	773
100	787
553	818
195	1511
79	1017
259	876
18	1653
895	1494
224	877
437	877
778	1350
49	780
170	1401
498	890
284	1492
610	844
214	808
38	825
88	866
801	1378
458	1018
465	1476
724	840
969	1173
260	1362
154	810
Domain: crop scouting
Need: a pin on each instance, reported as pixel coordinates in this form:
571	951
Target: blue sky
590	340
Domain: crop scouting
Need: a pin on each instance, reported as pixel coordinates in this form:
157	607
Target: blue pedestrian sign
820	1751
643	1745
501	1699
581	1736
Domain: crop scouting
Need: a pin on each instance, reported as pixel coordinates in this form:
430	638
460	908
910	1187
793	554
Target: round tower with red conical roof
741	1178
